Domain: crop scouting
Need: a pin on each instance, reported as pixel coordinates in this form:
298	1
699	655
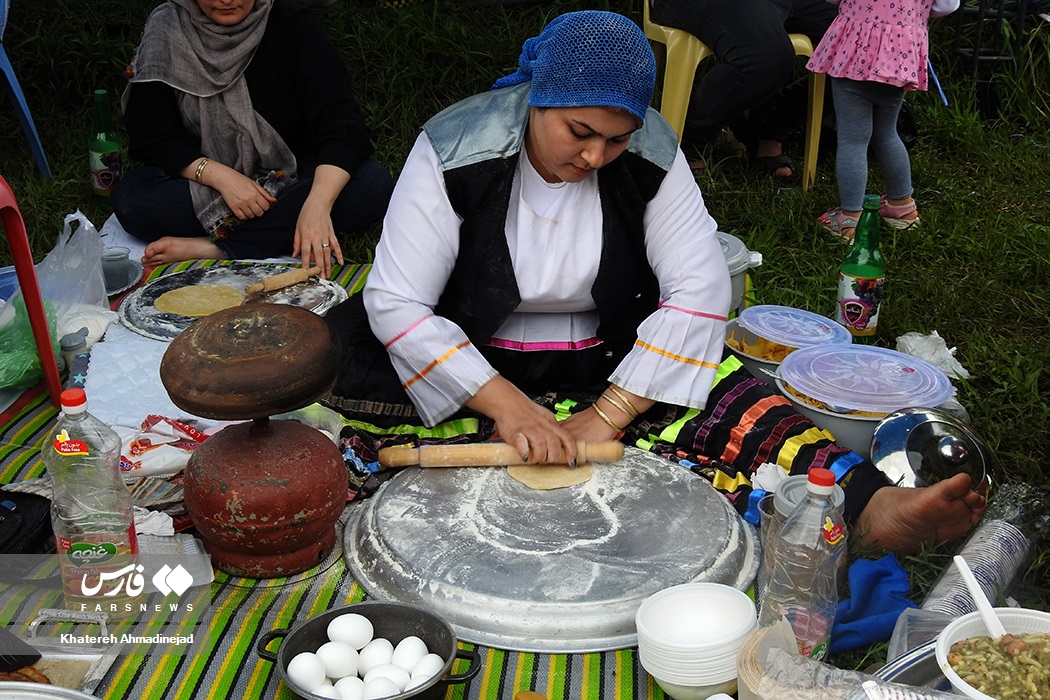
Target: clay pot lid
251	361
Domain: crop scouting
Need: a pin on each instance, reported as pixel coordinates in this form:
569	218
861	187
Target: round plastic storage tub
783	325
848	379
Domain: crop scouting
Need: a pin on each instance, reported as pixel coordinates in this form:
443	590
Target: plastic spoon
984	607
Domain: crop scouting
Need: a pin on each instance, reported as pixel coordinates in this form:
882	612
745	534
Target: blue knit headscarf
587	59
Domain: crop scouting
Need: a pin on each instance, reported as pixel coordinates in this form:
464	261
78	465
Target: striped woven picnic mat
241	610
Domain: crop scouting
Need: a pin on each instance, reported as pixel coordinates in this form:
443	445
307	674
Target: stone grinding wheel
251	361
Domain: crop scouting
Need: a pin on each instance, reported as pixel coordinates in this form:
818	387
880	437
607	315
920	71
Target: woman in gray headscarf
252	144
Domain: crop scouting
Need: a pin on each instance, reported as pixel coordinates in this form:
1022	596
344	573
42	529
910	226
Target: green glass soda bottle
862	275
104	154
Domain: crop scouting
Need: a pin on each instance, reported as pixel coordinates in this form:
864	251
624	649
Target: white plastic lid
865	378
738	257
793	327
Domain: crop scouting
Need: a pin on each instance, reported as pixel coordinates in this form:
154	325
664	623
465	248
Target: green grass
977	272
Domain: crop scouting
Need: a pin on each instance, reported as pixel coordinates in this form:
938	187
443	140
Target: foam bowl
1015	620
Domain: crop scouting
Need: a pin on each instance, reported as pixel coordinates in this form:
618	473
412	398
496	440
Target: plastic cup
115	266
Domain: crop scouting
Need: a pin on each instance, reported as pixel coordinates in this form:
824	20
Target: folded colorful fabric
878	590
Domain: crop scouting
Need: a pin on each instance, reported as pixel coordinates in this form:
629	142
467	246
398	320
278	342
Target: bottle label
68	447
100	565
858	303
833	532
106	169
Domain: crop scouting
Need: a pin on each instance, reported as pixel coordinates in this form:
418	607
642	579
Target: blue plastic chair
15	92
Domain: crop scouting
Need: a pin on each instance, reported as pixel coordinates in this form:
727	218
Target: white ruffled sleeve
680	345
440	368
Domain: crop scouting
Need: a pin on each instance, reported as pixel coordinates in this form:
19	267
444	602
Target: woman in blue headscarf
547	263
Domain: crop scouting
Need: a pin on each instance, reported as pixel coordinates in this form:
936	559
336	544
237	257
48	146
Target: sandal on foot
771	165
893	214
694	157
838	224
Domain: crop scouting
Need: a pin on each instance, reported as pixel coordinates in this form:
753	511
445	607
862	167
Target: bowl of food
762	336
1015	666
371	649
848	389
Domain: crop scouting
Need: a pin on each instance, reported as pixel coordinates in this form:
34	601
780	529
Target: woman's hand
607	418
588	426
315	236
529	427
245	197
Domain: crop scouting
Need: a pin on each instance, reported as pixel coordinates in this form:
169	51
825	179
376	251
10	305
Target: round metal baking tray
559	571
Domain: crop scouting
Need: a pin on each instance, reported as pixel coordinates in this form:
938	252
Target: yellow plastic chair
682	53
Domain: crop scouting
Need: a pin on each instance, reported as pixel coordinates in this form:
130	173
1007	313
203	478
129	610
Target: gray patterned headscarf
205	63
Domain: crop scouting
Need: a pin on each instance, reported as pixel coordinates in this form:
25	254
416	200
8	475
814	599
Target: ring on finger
325	245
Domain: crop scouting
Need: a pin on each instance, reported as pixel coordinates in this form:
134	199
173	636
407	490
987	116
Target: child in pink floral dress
873	52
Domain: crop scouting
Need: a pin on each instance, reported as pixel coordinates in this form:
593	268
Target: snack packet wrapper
160	447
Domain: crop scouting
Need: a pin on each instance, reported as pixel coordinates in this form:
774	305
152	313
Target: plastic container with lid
783	325
740	260
859	385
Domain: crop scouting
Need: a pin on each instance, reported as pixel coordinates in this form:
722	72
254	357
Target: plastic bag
70	276
20	362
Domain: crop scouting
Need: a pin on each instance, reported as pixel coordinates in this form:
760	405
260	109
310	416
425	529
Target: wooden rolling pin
487	454
285	279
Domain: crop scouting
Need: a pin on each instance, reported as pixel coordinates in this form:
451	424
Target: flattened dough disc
198	300
550	477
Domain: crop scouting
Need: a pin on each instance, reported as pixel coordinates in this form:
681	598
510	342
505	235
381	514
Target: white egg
350	688
415	682
409	651
339	659
376	652
380	688
428	667
328	691
306	671
353	629
395	673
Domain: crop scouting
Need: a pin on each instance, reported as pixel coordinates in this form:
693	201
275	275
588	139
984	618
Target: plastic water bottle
803	586
91	512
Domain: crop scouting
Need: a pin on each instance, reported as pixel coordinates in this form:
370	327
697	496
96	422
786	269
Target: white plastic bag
70	276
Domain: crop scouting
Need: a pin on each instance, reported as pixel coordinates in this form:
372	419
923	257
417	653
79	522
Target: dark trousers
755	61
150	204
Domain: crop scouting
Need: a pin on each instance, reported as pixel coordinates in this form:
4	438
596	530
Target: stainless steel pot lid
560	571
921	446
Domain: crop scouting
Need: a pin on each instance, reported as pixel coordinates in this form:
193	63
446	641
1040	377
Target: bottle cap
821	476
864	378
821	481
793	327
792	490
73	401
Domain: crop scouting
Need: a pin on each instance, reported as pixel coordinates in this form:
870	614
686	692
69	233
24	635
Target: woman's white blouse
554	232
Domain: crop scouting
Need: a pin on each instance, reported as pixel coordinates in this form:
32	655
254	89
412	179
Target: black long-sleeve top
297	82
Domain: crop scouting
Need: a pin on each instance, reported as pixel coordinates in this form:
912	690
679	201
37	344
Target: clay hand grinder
264	494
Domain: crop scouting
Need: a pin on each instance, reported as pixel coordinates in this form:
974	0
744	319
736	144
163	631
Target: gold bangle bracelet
626	400
607	419
618	405
200	169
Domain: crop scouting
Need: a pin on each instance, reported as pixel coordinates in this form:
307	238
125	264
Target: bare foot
172	249
901	519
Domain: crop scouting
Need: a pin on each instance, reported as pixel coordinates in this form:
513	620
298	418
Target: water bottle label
68	447
858	305
833	532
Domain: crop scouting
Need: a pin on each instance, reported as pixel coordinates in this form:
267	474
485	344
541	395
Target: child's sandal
838	224
893	214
